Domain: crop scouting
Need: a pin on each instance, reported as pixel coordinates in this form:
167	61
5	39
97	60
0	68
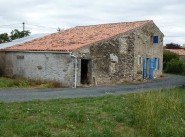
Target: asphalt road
17	94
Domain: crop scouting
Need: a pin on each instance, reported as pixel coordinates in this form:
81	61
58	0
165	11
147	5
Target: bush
172	63
168	56
175	66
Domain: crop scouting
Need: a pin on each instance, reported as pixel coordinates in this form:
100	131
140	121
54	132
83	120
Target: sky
45	16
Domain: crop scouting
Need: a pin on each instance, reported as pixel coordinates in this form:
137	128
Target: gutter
75	59
27	51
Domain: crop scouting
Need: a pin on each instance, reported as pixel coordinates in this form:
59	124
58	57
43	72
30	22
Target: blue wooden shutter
144	68
151	68
155	39
155	61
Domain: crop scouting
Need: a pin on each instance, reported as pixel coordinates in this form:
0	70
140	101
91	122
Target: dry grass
25	83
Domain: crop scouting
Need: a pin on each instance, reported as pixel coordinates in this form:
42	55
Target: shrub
172	63
168	56
175	66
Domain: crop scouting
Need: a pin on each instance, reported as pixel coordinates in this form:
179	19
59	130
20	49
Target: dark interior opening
84	71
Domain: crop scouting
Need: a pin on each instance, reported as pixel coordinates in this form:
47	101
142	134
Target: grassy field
148	114
24	83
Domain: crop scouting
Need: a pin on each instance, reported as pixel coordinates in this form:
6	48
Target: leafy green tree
4	38
16	34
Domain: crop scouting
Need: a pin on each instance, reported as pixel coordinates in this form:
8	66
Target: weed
23	83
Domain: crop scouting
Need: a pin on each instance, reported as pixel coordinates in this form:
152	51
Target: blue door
151	72
144	68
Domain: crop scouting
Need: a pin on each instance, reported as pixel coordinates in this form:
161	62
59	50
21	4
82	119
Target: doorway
85	71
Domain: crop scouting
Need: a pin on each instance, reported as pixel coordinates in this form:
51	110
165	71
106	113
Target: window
139	60
156	63
112	67
20	56
155	39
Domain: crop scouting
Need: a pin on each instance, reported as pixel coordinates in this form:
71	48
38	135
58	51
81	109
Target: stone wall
145	48
41	66
116	60
112	60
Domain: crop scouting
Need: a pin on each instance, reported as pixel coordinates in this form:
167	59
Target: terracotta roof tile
180	52
77	37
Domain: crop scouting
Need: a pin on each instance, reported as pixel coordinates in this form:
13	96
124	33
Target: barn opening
85	71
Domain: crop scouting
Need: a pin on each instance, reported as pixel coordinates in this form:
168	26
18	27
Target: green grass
148	114
24	83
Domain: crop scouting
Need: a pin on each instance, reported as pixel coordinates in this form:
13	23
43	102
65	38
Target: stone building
96	54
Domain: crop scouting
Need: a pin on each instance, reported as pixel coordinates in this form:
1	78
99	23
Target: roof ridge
114	23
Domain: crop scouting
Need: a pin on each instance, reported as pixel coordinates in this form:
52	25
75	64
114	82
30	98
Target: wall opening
146	68
85	71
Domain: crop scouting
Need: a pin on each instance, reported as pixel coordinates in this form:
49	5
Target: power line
10	25
28	24
40	26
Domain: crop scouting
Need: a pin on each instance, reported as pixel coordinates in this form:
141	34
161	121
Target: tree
4	38
16	34
60	30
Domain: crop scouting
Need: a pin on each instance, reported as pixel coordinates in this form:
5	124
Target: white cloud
167	14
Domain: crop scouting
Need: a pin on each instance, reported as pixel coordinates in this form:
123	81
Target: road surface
18	94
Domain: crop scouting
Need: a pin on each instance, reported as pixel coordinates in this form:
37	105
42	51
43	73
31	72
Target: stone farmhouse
95	54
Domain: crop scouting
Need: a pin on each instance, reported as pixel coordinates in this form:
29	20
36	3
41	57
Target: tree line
14	34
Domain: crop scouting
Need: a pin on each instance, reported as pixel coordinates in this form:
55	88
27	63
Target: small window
112	67
155	39
20	56
155	63
139	60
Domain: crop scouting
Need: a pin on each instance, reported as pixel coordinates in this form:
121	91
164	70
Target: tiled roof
22	40
180	52
77	37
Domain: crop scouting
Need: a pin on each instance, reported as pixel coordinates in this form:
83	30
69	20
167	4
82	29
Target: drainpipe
75	58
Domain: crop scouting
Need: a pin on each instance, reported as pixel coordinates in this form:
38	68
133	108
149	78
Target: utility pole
23	28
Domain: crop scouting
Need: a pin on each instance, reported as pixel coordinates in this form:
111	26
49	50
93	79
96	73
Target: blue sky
45	16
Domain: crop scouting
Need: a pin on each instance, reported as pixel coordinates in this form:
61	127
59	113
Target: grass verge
157	113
